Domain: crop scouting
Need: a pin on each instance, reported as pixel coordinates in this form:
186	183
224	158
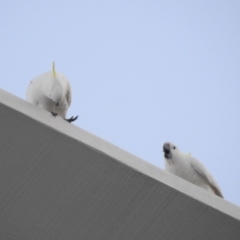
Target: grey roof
60	182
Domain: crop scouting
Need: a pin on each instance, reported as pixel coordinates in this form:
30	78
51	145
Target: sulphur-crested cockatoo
52	92
189	168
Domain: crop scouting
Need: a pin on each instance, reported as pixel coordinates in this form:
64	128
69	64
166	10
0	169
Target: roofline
119	154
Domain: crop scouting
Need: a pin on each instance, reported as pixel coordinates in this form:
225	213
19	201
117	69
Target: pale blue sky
142	72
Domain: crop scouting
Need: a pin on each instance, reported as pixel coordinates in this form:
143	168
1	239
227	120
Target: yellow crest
53	70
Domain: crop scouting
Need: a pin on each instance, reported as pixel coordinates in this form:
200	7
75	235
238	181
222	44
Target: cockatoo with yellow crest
189	168
52	92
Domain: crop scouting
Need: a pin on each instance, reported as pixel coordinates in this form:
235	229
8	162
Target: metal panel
60	182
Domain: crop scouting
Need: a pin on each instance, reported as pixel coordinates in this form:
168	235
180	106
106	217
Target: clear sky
142	72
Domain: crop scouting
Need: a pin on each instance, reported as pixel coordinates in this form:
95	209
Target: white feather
190	169
47	90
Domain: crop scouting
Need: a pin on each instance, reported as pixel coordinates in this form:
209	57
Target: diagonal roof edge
118	154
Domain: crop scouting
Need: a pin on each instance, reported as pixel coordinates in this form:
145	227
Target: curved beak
167	151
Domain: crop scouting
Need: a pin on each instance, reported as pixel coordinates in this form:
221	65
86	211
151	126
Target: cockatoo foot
54	114
71	119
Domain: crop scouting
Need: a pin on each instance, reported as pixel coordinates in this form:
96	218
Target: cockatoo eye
174	147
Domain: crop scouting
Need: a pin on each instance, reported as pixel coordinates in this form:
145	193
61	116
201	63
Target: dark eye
174	147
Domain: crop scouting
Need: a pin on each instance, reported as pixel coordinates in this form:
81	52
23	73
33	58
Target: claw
71	119
54	114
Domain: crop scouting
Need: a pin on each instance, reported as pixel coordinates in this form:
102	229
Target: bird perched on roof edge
189	168
52	92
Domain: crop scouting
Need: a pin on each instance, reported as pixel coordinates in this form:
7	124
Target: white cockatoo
52	92
189	168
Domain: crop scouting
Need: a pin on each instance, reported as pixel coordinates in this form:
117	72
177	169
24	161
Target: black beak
167	150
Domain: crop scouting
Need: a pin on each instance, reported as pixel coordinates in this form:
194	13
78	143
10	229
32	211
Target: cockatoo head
56	90
171	151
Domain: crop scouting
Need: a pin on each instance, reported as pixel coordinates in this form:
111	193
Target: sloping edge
118	154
